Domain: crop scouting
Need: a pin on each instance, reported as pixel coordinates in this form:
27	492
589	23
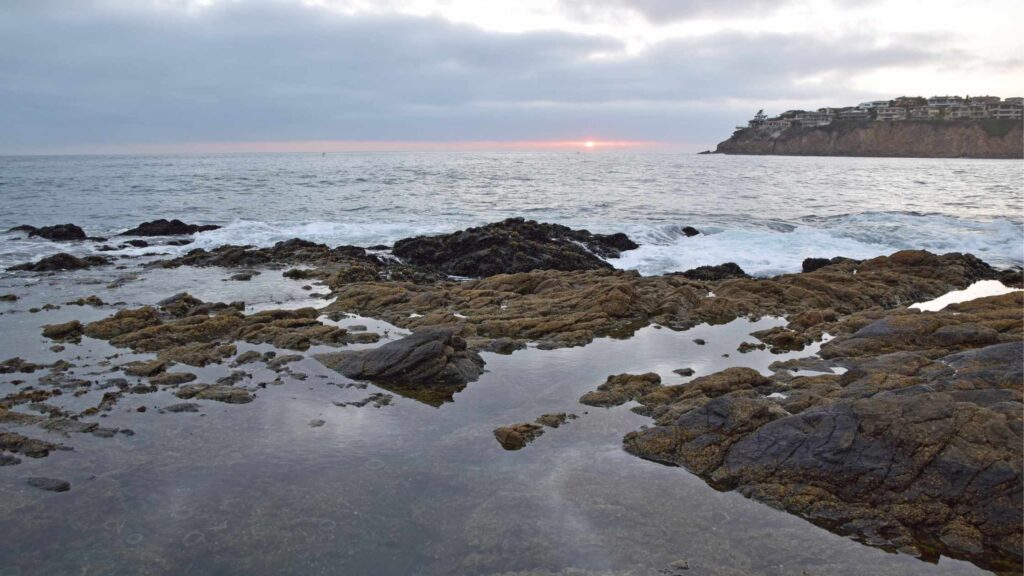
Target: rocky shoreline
905	431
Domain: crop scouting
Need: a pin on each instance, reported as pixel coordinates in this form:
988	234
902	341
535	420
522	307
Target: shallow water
765	213
402	489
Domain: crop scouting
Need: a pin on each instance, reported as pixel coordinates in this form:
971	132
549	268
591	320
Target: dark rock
59	233
8	298
684	371
172	378
61	261
164	227
429	357
689	231
137	243
49	484
8	460
182	407
715	273
219	392
510	246
812	264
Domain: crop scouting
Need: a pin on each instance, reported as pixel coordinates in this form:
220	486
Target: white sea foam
980	289
764	249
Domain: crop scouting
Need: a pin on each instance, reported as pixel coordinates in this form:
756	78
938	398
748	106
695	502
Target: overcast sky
195	75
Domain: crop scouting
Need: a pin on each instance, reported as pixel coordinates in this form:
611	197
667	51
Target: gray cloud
72	74
663	11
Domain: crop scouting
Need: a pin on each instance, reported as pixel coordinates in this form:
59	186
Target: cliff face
918	139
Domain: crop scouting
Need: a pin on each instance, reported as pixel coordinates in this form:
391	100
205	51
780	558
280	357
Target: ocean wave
764	249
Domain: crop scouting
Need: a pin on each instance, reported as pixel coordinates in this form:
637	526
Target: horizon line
324	146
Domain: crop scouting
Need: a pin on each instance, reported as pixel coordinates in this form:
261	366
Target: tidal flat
265	460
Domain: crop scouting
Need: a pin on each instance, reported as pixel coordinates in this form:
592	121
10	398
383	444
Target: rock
244	276
713	273
87	301
917	445
689	231
59	233
299	274
510	246
505	346
684	371
622	388
812	264
49	484
430	357
137	243
31	447
247	358
163	227
182	407
147	368
554	420
172	378
68	331
517	436
61	261
316	423
8	298
8	460
219	392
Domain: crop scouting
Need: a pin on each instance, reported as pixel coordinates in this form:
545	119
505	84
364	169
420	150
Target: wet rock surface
510	246
427	358
61	262
917	445
49	484
164	227
56	233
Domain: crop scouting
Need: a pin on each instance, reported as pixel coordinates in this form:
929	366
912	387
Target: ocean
312	478
765	213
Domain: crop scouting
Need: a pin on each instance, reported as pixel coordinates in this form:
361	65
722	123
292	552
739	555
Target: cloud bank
105	73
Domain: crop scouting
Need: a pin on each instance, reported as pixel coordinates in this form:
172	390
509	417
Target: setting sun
589	144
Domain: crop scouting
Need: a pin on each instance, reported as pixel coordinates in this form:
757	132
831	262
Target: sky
125	76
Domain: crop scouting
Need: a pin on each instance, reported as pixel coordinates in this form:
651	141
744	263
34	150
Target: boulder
714	273
430	357
510	246
58	233
689	231
61	261
164	227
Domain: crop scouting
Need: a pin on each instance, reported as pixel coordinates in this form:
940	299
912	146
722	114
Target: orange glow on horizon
317	146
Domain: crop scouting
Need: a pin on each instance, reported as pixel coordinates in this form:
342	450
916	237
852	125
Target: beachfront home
1006	111
809	119
909	101
777	124
944	101
983	99
890	114
854	114
964	112
1014	100
873	104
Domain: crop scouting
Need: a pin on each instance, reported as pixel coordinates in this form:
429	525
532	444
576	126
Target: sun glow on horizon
589	144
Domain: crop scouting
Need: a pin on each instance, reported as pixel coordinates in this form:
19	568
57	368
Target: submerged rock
49	484
510	246
430	357
61	261
164	227
689	231
219	392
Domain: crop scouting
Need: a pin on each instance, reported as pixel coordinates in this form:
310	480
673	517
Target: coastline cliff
989	138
